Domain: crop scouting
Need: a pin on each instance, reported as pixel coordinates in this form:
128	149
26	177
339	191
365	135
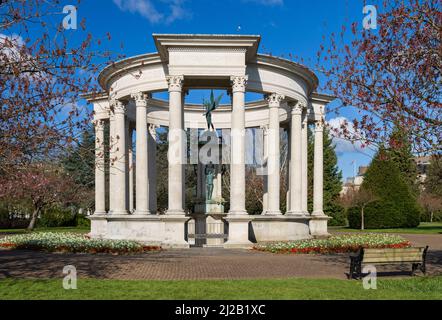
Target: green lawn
404	288
59	229
423	228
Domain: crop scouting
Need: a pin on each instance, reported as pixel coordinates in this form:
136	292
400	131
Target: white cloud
342	145
148	10
10	45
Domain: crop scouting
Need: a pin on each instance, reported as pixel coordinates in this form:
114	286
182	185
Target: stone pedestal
318	226
215	226
279	228
238	232
174	231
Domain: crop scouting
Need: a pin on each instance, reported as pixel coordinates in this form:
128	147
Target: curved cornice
121	67
290	66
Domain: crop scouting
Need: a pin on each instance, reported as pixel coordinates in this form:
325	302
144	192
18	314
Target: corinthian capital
265	129
319	125
118	107
99	125
238	83
298	108
175	83
274	100
140	99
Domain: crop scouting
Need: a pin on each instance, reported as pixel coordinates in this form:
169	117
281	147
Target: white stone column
319	221
305	162
120	182
238	218
237	171
273	179
152	169
175	218
100	177
318	170
142	180
296	160
130	165
176	146
288	176
112	146
183	127
265	198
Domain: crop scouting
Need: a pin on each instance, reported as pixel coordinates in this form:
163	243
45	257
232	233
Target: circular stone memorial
125	203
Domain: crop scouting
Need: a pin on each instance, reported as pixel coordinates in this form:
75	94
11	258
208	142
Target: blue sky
286	26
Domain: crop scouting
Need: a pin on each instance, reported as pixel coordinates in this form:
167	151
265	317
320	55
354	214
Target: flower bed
72	242
336	244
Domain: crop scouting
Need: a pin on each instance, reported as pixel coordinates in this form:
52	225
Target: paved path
199	263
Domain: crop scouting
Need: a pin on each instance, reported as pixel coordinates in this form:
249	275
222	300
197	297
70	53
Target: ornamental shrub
395	206
57	217
377	215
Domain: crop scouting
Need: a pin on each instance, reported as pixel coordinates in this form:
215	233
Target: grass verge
267	289
423	228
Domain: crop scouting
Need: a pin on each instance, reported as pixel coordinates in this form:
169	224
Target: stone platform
170	231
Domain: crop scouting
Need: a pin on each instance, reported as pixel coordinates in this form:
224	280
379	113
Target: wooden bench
414	256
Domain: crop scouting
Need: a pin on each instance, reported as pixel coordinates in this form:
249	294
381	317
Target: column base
100	213
300	214
318	214
318	226
175	213
238	232
142	213
272	213
119	212
238	213
174	231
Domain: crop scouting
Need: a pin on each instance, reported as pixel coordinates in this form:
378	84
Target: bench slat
392	260
399	250
394	254
410	255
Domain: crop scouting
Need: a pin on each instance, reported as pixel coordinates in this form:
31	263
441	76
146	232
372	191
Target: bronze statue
211	106
209	171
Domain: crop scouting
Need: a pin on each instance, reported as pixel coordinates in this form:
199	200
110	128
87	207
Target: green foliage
332	181
162	169
426	216
79	161
377	215
400	152
433	183
396	205
79	164
13	218
56	217
82	221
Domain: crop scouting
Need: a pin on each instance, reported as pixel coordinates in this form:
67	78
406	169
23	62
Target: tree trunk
33	219
362	218
431	216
